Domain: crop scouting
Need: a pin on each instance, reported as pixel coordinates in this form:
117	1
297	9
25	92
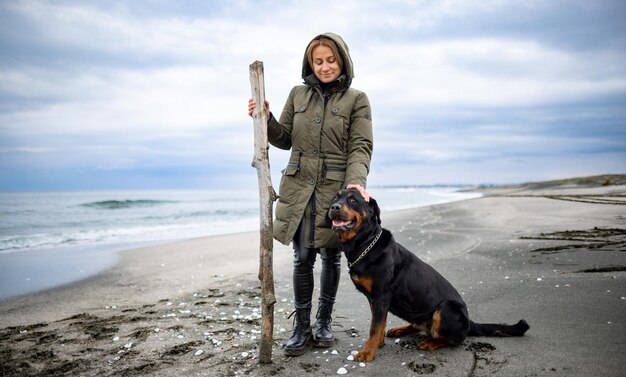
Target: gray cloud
462	91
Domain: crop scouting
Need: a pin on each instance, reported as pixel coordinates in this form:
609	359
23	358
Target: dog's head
349	214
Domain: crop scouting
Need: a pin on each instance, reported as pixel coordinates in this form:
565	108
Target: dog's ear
374	206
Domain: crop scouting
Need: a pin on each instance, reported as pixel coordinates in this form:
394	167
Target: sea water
42	221
48	239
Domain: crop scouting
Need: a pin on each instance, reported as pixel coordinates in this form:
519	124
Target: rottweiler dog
395	280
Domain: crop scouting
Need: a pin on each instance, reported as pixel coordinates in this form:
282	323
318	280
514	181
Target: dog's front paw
365	355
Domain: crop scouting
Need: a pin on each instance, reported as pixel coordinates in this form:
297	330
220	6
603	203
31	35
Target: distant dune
592	181
606	189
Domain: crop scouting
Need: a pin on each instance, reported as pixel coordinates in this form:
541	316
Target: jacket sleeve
279	133
360	142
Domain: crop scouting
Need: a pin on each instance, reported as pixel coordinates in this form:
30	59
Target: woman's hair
324	41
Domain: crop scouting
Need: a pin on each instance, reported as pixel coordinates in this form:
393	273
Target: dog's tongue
340	223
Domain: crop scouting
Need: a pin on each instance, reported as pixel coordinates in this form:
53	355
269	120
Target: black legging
303	262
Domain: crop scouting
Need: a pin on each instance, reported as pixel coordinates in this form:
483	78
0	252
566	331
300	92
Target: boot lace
298	321
324	315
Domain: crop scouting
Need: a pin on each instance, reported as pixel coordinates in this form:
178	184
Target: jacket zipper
325	96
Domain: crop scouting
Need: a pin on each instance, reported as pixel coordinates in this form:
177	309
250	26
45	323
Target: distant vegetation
593	181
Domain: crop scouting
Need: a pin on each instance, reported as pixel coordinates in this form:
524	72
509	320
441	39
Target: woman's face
325	65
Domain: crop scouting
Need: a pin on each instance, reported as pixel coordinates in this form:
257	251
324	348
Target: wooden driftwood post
266	199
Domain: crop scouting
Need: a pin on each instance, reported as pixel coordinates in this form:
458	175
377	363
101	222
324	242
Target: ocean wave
122	204
20	243
126	234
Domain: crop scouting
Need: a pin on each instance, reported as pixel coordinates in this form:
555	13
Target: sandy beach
552	255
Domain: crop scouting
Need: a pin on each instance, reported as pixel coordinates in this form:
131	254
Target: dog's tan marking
352	214
435	326
412	328
431	344
375	341
364	282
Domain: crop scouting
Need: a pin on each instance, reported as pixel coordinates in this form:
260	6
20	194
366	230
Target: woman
328	127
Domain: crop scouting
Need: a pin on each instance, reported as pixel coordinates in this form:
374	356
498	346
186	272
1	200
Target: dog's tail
489	329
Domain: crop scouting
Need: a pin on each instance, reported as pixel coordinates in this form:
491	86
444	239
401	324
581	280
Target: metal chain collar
365	251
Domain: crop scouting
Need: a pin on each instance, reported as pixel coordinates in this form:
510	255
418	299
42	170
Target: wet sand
553	256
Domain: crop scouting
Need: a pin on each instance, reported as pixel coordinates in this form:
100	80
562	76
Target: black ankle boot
324	337
329	282
301	337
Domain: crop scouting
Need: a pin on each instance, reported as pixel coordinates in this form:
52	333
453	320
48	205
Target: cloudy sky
153	93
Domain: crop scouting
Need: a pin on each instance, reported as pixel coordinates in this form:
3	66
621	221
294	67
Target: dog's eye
352	200
334	199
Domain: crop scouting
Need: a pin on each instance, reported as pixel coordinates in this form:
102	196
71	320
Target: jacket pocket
299	111
291	169
288	188
336	130
335	173
294	164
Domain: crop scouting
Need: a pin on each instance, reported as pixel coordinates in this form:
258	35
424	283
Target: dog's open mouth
343	225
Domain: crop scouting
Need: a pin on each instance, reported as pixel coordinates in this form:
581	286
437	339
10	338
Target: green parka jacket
329	131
